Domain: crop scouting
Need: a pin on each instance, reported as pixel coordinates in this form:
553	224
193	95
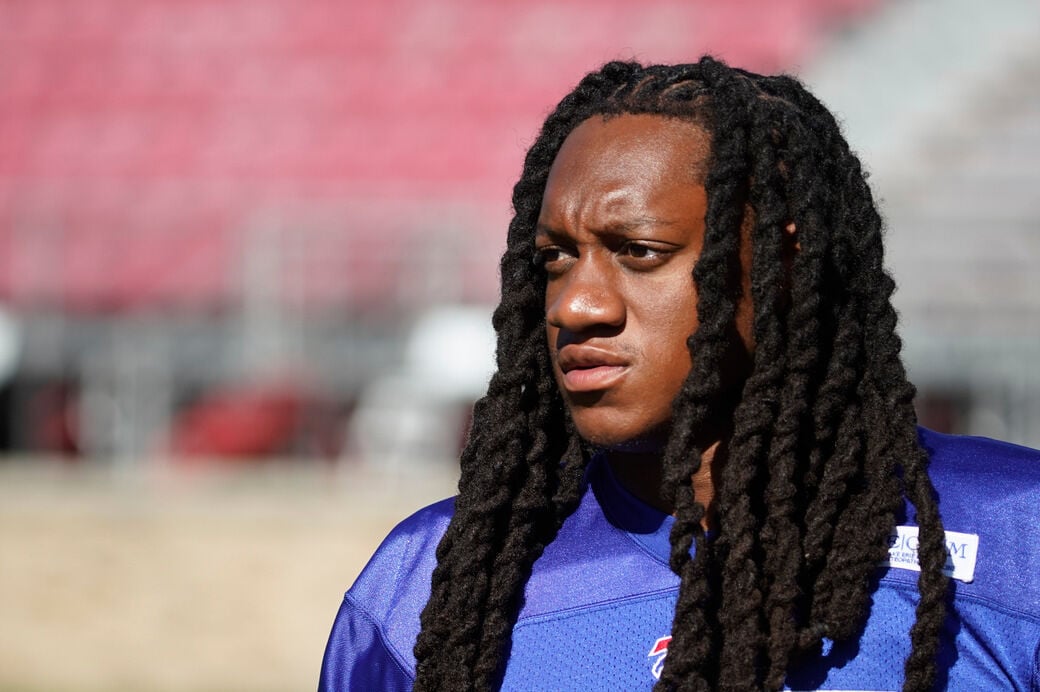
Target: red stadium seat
155	133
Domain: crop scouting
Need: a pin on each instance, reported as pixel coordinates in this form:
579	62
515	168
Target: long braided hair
823	447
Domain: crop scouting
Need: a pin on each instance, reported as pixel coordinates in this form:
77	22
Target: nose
585	298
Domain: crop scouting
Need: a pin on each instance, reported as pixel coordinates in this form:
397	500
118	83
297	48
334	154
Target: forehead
629	145
609	170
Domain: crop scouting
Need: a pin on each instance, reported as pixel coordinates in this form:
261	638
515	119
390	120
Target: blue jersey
599	604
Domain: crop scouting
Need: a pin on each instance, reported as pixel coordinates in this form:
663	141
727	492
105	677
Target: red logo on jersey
657	652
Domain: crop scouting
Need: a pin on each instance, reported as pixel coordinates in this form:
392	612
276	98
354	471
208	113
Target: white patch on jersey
962	549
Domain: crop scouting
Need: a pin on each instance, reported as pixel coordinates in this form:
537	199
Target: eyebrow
616	228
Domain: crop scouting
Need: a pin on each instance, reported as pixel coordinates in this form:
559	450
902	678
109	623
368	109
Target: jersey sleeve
1036	669
370	647
357	657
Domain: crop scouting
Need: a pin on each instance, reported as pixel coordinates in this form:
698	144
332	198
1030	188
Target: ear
791	231
790	246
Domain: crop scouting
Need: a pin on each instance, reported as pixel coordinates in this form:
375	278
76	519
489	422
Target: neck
641	472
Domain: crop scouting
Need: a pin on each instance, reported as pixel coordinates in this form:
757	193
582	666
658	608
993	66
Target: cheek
672	317
671	357
670	346
666	328
551	334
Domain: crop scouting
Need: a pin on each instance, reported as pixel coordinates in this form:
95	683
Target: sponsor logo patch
962	550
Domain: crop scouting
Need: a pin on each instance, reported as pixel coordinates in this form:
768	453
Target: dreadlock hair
823	447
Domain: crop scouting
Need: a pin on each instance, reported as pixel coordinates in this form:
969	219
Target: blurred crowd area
252	245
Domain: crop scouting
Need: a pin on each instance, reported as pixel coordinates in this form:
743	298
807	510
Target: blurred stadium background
248	254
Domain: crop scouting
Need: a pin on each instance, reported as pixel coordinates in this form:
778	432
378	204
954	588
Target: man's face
620	228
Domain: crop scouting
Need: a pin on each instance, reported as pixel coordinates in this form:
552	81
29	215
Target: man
698	462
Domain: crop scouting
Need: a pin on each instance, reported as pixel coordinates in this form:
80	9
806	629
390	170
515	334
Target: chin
647	442
615	427
637	445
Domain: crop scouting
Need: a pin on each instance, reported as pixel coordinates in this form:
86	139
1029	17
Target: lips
590	369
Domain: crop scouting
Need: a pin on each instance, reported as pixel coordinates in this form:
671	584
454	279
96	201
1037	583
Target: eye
552	258
638	250
640	254
544	255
